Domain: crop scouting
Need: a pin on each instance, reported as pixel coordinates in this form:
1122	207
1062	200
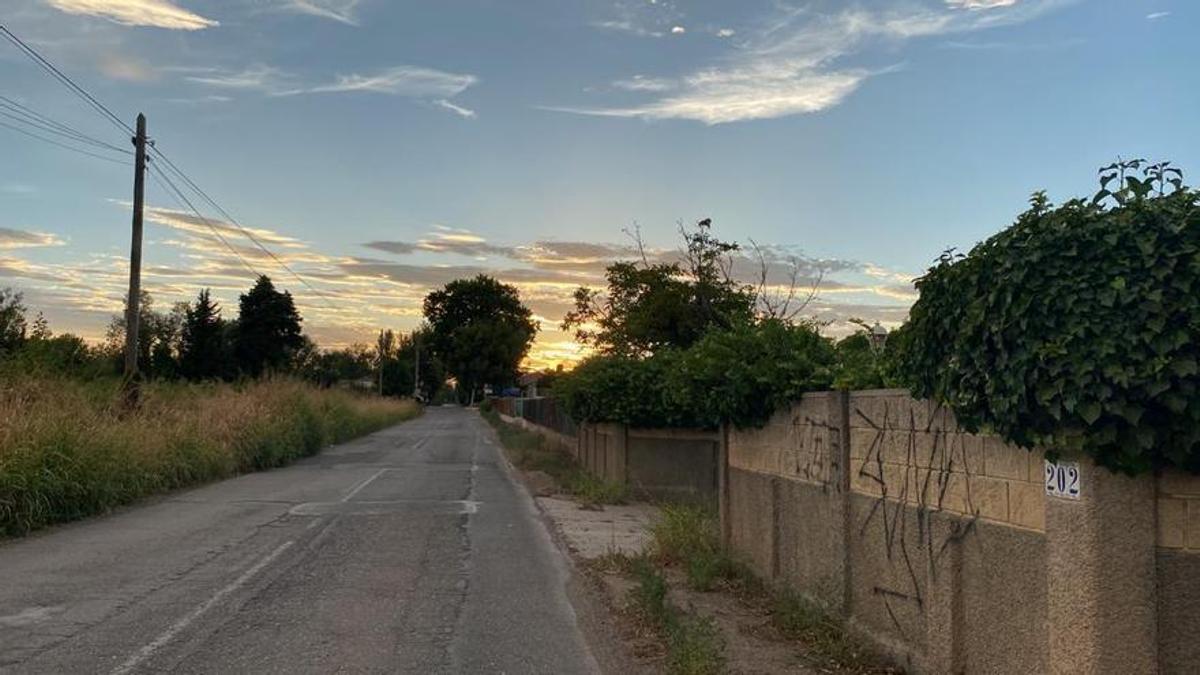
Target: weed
695	647
66	453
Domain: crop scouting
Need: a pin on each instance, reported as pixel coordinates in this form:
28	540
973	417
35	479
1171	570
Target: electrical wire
63	145
112	117
181	199
66	81
26	115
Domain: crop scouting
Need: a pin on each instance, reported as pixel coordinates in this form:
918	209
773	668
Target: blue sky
382	148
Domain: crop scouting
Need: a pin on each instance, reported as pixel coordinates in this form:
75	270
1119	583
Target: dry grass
67	453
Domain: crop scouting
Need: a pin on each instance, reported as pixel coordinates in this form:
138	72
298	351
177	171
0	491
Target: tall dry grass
66	452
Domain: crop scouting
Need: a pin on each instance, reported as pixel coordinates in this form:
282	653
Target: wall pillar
723	484
1102	608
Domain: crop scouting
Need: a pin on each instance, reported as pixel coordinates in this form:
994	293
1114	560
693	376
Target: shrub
739	375
1074	329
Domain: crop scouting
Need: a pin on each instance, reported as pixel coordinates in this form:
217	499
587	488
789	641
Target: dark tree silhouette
268	329
202	351
480	331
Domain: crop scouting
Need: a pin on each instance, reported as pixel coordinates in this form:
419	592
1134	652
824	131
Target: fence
959	553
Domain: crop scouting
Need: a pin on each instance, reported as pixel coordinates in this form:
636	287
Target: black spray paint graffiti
946	458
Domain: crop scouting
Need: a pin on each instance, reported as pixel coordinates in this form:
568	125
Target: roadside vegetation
529	451
686	551
67	451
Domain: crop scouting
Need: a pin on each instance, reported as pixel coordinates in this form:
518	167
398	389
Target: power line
61	145
26	115
181	199
66	81
103	110
233	221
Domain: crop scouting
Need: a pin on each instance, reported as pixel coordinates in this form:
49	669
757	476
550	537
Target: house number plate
1062	479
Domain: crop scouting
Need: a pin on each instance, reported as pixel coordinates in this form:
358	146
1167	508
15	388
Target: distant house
529	384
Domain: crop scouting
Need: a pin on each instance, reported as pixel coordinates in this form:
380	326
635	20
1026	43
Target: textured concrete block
1192	534
1179	484
1027	505
989	497
1006	461
861	441
1172	514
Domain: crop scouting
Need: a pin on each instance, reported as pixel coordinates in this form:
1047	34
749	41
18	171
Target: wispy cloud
796	62
10	239
413	81
1157	15
342	11
428	84
643	83
155	13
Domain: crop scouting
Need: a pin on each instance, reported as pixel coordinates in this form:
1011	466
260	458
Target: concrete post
1101	601
723	484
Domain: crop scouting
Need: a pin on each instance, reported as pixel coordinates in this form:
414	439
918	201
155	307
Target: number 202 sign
1062	479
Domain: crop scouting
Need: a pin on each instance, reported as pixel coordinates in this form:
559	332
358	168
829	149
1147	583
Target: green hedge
739	376
1078	328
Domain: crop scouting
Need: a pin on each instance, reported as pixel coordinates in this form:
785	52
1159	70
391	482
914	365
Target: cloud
10	239
1157	15
678	30
155	13
654	19
456	109
643	83
725	33
980	4
796	63
413	81
342	11
428	84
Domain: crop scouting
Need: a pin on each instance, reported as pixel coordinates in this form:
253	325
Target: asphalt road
410	550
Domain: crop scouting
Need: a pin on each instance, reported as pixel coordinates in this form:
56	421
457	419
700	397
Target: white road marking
355	490
181	625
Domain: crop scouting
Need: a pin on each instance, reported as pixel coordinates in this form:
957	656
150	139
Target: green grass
695	645
529	451
688	537
68	451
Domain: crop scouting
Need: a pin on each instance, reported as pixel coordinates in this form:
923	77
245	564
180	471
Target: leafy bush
1074	329
739	375
626	390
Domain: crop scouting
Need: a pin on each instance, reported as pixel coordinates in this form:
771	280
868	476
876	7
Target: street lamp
878	336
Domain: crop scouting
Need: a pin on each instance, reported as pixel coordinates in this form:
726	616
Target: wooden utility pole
133	309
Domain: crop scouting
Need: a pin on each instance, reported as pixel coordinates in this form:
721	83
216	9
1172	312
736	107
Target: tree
158	336
202	350
12	321
480	331
651	306
268	331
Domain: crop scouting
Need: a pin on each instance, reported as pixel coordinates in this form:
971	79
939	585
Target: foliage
649	307
480	331
158	338
529	451
743	375
1074	329
12	321
202	348
67	453
738	376
268	334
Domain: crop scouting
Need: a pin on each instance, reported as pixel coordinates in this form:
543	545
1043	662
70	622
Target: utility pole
382	361
132	309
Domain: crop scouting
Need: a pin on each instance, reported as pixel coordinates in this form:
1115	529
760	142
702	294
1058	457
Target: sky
381	148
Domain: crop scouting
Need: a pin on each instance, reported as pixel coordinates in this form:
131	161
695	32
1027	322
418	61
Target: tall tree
202	350
649	306
12	321
268	329
480	331
158	337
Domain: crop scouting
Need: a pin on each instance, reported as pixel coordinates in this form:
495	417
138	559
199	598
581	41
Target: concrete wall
675	464
944	548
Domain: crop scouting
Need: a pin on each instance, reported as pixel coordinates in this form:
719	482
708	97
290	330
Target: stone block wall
946	549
